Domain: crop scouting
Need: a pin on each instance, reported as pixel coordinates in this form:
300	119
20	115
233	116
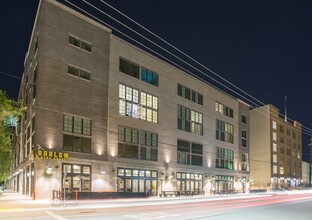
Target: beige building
104	115
306	174
275	149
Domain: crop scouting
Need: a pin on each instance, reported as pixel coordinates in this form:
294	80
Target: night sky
263	47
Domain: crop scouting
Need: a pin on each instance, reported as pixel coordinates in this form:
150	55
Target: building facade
104	115
275	149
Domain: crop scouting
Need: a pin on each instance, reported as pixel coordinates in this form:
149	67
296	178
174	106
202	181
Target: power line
305	129
10	75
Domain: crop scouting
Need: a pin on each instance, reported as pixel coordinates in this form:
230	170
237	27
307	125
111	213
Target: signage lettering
45	154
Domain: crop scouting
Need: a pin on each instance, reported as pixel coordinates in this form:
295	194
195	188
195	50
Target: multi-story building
104	115
306	174
275	149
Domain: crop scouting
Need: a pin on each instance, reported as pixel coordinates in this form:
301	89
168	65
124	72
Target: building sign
46	154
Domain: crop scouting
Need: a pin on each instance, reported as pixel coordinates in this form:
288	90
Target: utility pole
310	145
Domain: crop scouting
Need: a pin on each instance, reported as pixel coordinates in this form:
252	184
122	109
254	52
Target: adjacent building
275	149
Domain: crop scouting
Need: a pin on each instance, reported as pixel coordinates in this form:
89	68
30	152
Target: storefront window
137	181
190	182
79	180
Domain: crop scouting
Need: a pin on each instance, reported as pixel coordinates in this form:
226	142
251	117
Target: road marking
55	216
148	216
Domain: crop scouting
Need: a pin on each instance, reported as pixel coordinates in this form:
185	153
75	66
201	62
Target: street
291	205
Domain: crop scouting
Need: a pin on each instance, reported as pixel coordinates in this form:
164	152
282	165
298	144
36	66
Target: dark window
244	119
79	72
80	43
76	144
129	68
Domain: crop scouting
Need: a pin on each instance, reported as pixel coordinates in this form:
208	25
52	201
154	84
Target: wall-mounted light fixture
49	169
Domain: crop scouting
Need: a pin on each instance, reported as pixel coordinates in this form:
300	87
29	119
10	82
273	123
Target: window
149	107
190	120
224	110
281	128
274	147
274	126
281	170
80	43
225	158
132	143
128	101
274	135
77	177
77	136
129	105
244	161
244	138
128	142
184	151
190	94
35	82
189	153
129	68
244	119
79	72
224	131
274	158
274	169
148	146
149	76
282	149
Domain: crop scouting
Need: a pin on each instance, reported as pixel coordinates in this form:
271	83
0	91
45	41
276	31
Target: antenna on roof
286	108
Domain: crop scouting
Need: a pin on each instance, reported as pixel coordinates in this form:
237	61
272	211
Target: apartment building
275	149
105	115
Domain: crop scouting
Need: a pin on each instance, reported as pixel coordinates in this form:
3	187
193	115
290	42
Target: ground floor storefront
40	177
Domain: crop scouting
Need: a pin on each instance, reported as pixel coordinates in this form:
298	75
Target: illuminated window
190	120
274	158
129	104
149	107
274	169
274	126
274	147
224	110
225	158
274	136
281	170
128	101
224	131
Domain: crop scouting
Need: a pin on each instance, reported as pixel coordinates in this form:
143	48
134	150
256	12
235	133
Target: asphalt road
295	206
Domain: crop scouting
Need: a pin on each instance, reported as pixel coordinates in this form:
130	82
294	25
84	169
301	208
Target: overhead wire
306	129
303	130
11	75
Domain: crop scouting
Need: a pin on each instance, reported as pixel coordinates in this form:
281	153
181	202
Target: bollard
76	195
34	196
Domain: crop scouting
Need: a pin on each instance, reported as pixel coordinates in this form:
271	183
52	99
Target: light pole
310	145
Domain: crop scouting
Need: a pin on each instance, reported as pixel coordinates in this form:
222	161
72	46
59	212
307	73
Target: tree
10	111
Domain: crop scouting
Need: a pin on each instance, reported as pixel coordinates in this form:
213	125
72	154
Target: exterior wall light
49	170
